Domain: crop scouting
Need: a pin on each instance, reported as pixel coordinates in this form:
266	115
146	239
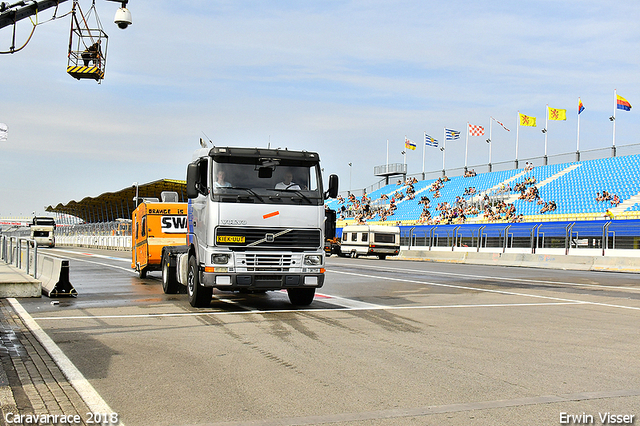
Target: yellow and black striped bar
85	72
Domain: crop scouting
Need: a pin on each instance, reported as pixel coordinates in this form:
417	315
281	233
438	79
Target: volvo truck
256	222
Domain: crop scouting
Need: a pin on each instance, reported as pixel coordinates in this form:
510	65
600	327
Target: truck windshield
277	181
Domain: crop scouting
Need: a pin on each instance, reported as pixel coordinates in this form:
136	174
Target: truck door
141	242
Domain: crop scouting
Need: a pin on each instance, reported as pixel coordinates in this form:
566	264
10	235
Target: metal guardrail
11	249
595	236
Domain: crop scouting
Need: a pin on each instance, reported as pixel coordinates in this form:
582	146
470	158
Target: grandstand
498	196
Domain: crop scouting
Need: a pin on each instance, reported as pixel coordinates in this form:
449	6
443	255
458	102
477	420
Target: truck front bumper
261	281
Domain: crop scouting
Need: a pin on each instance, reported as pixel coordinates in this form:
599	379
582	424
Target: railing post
480	233
605	236
534	239
506	238
567	237
411	236
431	233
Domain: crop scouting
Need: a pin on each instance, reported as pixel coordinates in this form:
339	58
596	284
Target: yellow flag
557	114
525	120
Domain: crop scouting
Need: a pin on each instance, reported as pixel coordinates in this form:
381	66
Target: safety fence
14	249
110	242
589	238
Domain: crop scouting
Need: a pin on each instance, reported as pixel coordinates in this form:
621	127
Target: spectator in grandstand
599	197
340	199
615	200
608	215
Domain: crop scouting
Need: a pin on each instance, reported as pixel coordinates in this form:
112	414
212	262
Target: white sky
336	77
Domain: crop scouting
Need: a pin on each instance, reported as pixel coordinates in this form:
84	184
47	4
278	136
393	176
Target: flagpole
466	148
546	131
615	101
578	142
517	137
424	147
387	164
444	143
490	141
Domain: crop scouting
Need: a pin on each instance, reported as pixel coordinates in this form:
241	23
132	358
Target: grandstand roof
120	204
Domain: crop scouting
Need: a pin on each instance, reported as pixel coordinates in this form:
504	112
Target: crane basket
87	58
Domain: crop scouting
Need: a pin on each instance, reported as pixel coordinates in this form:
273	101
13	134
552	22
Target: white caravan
372	240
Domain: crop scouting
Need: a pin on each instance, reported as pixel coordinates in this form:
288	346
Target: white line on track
486	277
341	301
87	392
511	293
307	311
130	270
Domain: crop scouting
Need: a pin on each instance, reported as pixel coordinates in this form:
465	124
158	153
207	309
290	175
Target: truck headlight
220	259
313	260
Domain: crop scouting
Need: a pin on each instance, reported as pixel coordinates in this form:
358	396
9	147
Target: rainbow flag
623	103
580	106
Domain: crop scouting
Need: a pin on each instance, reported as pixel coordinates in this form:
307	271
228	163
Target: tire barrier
54	274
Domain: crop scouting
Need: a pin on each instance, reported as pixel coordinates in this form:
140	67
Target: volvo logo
233	222
269	238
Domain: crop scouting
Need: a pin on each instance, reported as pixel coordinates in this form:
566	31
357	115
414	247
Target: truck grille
268	238
263	262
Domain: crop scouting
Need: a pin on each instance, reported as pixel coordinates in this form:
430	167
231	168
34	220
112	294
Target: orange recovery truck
156	225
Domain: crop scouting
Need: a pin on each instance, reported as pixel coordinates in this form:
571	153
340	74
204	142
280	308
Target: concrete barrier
54	273
15	282
546	261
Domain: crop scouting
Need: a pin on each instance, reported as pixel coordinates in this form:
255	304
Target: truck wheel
199	297
169	281
142	273
301	296
382	256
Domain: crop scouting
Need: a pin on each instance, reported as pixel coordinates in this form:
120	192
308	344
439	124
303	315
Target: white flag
4	130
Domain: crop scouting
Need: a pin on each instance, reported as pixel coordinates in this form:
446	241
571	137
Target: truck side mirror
332	192
193	175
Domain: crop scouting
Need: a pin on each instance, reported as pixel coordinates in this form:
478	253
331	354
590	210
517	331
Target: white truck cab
256	222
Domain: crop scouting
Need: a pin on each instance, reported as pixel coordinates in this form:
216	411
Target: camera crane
87	43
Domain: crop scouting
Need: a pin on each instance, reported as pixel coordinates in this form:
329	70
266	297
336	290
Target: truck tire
301	296
142	273
382	256
169	280
199	296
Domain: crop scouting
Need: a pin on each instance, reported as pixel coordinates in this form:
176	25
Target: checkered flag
476	130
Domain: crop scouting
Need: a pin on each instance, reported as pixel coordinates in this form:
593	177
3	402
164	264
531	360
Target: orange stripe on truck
272	214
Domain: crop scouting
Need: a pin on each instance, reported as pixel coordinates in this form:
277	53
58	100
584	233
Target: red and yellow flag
557	114
526	120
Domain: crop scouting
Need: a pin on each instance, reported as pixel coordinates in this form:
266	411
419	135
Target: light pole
350	164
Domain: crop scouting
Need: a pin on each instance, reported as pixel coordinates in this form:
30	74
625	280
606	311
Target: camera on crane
123	18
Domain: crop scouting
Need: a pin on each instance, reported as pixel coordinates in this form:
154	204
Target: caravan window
365	237
384	238
354	236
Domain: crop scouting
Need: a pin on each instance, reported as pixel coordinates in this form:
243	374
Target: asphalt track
384	343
